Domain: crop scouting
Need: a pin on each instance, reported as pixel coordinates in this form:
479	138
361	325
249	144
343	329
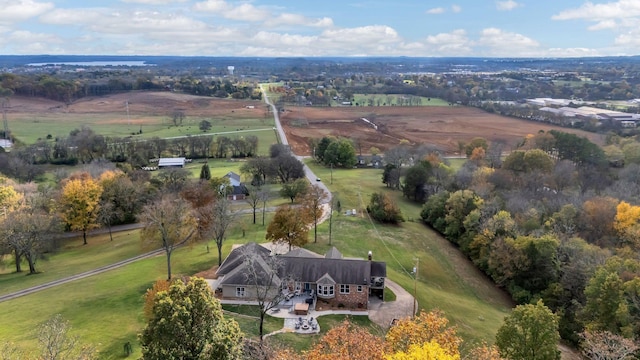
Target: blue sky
483	28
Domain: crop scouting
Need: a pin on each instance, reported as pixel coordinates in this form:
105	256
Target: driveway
382	313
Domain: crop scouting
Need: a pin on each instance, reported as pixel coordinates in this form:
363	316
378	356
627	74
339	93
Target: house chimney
370	255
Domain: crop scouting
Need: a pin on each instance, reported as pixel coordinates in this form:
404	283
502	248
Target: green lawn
30	129
72	258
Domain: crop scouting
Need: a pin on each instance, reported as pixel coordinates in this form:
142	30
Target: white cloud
507	5
154	2
212	6
20	10
503	43
604	24
456	8
455	43
438	10
299	20
596	12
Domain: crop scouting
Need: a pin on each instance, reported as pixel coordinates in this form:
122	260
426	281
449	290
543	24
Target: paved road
283	140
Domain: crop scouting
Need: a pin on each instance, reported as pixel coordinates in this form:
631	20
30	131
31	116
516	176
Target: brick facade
352	300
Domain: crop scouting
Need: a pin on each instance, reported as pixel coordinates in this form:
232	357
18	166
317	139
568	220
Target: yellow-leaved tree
9	198
427	351
424	328
80	203
627	224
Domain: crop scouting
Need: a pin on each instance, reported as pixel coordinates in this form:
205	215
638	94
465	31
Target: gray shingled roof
236	257
333	253
304	268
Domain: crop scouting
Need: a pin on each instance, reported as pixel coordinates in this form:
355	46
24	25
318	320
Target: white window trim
345	289
326	291
359	288
241	291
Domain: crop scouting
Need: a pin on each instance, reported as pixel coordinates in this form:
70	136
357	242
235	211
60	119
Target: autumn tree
529	333
603	345
9	198
80	203
626	223
477	142
188	323
427	351
348	342
312	202
383	209
168	222
288	226
596	220
426	327
253	199
150	295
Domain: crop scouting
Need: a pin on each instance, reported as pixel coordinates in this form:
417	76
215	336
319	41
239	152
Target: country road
79	276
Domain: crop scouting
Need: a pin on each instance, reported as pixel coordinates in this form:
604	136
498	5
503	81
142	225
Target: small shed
171	162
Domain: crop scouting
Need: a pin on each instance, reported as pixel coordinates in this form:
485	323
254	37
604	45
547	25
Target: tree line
553	221
68	87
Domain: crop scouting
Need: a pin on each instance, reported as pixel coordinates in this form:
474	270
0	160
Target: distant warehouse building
171	162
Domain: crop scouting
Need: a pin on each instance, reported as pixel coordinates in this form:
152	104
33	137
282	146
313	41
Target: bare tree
223	218
169	221
58	344
264	197
264	276
253	199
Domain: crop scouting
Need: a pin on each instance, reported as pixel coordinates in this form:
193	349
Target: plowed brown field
440	126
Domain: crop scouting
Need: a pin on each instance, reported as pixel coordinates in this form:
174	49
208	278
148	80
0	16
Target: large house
337	281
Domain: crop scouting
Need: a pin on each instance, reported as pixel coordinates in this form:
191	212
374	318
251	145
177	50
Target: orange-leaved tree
426	327
80	203
346	342
288	226
150	295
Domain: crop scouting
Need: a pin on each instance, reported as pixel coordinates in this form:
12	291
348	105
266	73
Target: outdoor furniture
309	301
301	309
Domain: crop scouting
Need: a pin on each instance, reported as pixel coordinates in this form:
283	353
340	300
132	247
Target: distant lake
94	63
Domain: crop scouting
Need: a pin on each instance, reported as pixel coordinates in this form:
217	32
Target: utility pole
331	173
415	285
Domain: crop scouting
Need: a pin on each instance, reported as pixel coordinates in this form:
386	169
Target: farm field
443	127
31	119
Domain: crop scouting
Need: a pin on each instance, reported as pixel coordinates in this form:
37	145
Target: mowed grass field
106	309
149	114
